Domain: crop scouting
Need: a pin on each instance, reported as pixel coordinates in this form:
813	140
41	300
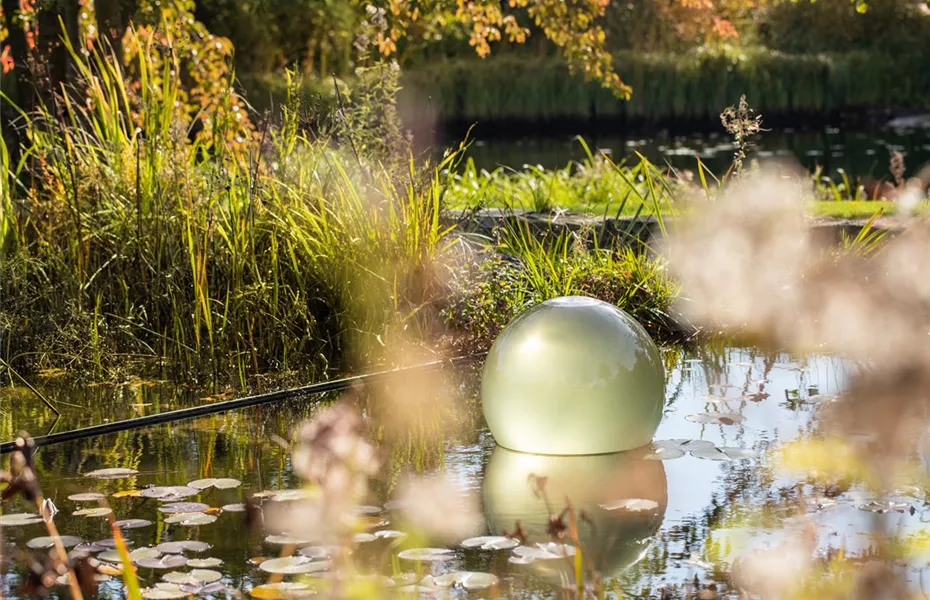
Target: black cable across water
218	407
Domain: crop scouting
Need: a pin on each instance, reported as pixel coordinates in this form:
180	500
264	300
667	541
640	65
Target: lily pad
736	453
133	523
190	519
294	565
687	444
135	556
632	505
286	540
89	547
47	541
390	533
716	418
491	542
318	552
17	519
238	507
169	493
709	454
163	593
182	546
100	511
427	554
281	591
113	473
110	543
203	589
196	576
367	509
167	561
664	454
545	551
204	563
520	560
291	495
478	581
220	484
86	497
175	508
362	538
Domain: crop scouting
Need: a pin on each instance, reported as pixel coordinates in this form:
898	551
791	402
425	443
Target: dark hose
218	407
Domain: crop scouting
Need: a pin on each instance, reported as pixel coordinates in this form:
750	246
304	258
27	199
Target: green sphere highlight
573	375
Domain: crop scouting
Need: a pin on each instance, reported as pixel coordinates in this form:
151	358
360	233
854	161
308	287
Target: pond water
691	507
859	152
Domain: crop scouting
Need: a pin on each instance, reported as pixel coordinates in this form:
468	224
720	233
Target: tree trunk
53	55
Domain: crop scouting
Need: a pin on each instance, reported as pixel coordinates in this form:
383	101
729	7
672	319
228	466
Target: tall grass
211	257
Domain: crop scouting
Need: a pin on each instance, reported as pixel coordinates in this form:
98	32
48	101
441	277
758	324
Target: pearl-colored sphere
573	375
613	538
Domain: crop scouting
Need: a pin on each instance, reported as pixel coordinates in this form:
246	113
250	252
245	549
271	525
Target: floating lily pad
182	546
520	560
664	454
220	484
204	563
86	497
478	581
47	541
190	519
113	473
17	519
167	561
143	553
291	495
716	418
367	509
89	547
427	554
169	493
293	565
110	556
390	533
162	593
238	507
362	538
739	453
318	552
632	505
133	523
203	589
100	511
110	543
491	542
175	508
281	591
713	453
286	540
886	507
688	445
196	576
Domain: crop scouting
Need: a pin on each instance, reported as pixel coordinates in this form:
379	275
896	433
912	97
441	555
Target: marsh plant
741	122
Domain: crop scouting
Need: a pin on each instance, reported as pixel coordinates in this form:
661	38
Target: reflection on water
859	152
777	397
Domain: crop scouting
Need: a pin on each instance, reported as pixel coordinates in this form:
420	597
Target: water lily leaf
478	581
427	554
204	563
736	453
174	508
47	541
371	522
281	591
545	551
169	493
664	454
110	556
86	497
716	418
17	519
190	519
688	445
521	560
293	565
100	511
291	495
113	473
362	538
632	505
110	543
155	593
449	579
318	552
709	454
89	547
285	540
238	507
143	553
491	542
133	523
390	533
196	576
220	484
367	509
201	589
182	545
167	561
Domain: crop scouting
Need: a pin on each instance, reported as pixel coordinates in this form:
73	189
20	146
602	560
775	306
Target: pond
859	152
712	490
